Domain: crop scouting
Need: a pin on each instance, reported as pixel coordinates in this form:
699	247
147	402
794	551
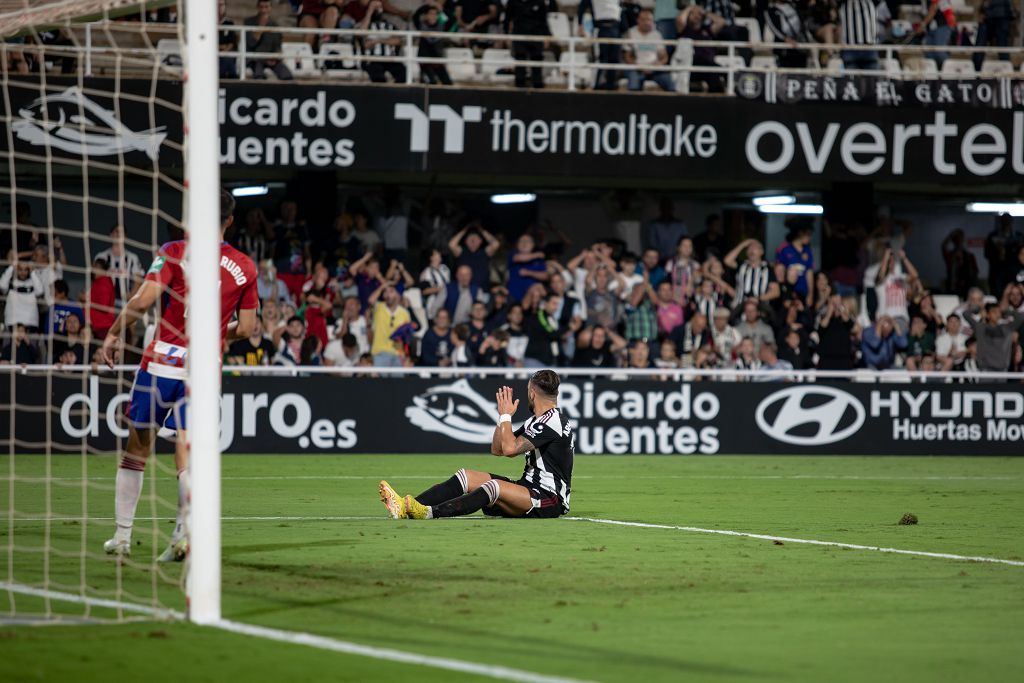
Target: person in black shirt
543	491
477	328
19	350
469	249
529	17
594	350
254	350
268	42
1001	248
431	17
69	348
711	242
494	350
436	344
794	350
835	351
227	41
543	347
475	16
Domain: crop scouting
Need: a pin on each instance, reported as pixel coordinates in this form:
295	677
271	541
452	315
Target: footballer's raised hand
506	406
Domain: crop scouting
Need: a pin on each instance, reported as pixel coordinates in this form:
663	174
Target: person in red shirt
158	394
102	308
318	295
318	13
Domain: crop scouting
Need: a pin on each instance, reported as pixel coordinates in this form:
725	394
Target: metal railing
895	376
574	71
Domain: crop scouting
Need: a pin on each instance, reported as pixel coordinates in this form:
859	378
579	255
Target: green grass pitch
558	597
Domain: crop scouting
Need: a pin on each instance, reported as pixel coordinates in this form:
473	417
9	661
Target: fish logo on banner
455	410
810	415
72	122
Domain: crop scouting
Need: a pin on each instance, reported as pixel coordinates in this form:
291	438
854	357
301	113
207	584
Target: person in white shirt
354	323
342	351
629	279
21	290
434	283
268	286
724	335
49	271
894	274
647	53
123	266
951	345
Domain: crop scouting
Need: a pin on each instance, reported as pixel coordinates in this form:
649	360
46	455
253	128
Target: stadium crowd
355	297
644	23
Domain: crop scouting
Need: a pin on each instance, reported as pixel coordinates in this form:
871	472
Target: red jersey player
158	394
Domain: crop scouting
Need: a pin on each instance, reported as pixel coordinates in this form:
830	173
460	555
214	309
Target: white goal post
202	180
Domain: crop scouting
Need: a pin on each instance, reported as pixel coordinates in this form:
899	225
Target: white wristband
505	417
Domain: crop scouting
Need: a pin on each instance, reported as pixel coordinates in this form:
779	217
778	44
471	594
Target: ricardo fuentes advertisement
323	414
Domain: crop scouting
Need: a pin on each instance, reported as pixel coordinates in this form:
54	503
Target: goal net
92	182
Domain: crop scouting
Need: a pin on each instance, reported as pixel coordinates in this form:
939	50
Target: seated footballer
542	492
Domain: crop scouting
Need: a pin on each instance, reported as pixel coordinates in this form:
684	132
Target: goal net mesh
91	183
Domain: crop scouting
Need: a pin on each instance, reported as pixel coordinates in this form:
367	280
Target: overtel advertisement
332	415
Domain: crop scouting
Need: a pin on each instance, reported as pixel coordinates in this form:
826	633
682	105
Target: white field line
156	612
595	520
727	477
300	638
786	539
334	645
305	518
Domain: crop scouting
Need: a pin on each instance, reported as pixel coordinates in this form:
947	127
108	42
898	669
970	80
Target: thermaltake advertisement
332	415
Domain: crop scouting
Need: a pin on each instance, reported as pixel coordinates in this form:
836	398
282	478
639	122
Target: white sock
184	493
430	512
128	488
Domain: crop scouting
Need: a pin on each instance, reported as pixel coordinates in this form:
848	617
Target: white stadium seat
168	52
461	64
413	65
763	62
683	56
996	67
921	67
945	303
298	57
584	73
558	24
344	53
734	62
489	72
892	67
958	67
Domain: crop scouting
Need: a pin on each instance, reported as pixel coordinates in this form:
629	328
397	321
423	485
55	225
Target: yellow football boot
415	509
392	501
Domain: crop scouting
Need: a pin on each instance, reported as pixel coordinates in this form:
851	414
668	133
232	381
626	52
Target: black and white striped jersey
752	281
858	21
549	464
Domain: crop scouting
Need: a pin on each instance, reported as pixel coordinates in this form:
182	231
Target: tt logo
454	125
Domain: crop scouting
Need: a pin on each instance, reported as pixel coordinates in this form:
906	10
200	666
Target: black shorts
546	505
